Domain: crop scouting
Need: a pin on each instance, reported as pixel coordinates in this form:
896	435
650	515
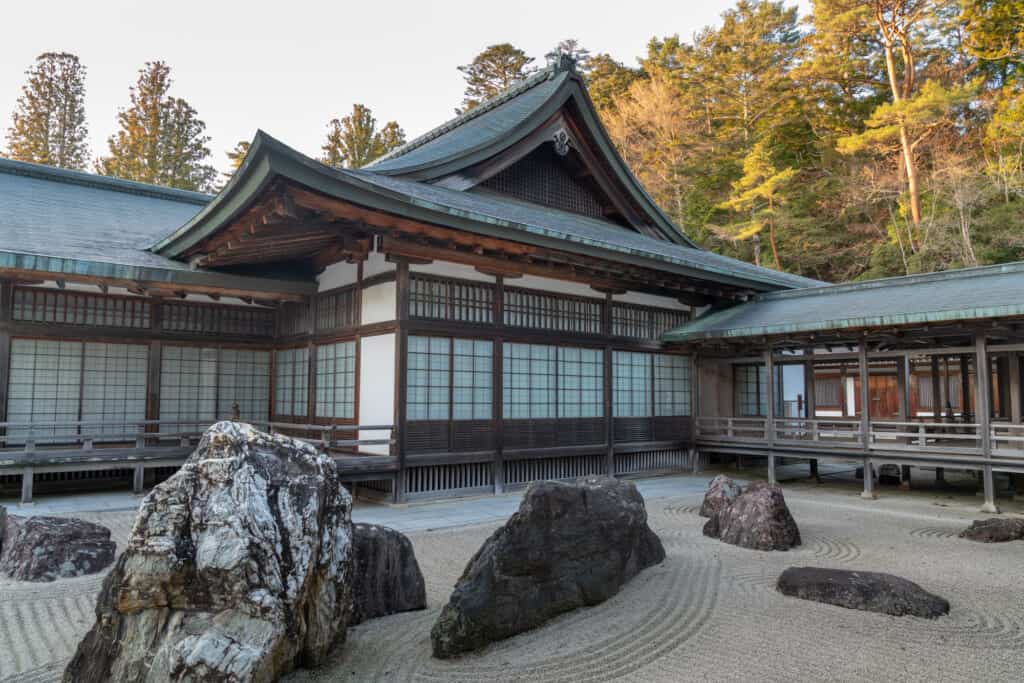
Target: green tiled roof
486	214
967	294
68	222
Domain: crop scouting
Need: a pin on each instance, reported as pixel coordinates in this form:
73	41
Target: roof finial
564	61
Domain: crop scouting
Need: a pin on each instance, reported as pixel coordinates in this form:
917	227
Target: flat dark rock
387	579
51	548
868	591
995	530
570	545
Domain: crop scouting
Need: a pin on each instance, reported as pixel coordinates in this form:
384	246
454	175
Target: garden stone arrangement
239	567
51	548
756	518
388	579
996	530
868	591
569	545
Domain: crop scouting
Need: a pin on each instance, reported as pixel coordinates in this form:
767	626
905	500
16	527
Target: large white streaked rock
239	568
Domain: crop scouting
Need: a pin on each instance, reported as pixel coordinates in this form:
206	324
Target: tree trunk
771	233
908	153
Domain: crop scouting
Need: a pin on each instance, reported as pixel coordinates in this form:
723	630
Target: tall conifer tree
353	141
492	71
48	125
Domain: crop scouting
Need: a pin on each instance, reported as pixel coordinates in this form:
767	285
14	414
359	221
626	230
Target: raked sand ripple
709	612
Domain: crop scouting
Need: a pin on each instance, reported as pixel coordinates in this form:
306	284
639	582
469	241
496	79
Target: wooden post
609	386
139	479
903	388
401	374
984	418
770	413
1014	372
937	393
497	385
694	411
6	314
27	476
811	401
865	420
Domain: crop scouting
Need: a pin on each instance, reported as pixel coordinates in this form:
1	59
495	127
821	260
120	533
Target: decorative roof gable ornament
563	62
562	142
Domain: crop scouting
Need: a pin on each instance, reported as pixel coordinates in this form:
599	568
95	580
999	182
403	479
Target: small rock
995	530
570	545
387	578
51	548
722	491
868	591
758	519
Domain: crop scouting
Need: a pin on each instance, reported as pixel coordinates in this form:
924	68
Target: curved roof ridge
102	182
513	91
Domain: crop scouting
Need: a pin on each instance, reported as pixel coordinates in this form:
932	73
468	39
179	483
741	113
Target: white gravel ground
708	613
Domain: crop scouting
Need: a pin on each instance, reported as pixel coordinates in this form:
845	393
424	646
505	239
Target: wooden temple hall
496	302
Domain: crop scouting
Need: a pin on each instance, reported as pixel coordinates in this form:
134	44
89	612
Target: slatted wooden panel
551	433
442	436
80	308
427	436
454	478
197	318
562	467
543	178
634	429
676	428
293	319
644	322
441	298
554	312
337	310
669	460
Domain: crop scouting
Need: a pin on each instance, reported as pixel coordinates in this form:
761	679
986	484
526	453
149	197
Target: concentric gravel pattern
709	612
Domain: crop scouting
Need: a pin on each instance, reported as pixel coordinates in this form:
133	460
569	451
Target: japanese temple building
497	301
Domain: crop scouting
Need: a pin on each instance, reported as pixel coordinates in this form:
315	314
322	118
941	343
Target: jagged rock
995	530
722	491
758	519
869	591
387	578
51	548
569	545
239	568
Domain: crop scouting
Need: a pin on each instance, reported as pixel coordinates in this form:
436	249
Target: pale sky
289	66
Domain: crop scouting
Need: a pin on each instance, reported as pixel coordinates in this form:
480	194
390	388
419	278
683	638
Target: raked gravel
710	612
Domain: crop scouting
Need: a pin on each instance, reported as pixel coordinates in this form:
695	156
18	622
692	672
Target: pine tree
608	80
572	48
48	125
492	71
353	141
161	138
237	155
759	193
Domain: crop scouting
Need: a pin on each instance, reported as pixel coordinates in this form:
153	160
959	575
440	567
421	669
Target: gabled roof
484	214
507	119
59	221
949	296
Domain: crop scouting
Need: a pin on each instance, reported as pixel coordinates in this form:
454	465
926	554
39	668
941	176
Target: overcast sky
290	66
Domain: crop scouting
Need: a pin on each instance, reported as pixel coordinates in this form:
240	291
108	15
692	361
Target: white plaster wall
379	303
551	285
337	275
458	270
642	299
376	388
375	264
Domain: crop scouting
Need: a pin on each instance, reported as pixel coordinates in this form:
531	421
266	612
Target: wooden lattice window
336	380
556	312
293	319
200	385
631	377
198	318
337	309
80	308
291	388
671	385
449	299
542	177
644	322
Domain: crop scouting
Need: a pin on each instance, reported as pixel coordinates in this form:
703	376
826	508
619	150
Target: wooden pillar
984	418
937	393
139	479
6	315
497	385
903	389
865	420
27	477
694	411
401	374
609	387
770	413
1014	382
811	402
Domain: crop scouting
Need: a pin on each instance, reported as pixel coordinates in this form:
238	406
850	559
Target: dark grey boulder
51	548
995	530
387	577
758	519
868	591
722	491
570	545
